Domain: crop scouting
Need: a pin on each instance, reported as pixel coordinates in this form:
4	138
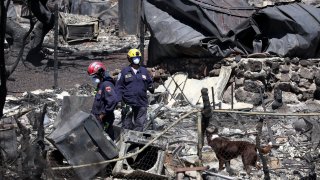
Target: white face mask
136	60
95	80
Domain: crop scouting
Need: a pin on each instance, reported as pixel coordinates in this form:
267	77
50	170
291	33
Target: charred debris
250	68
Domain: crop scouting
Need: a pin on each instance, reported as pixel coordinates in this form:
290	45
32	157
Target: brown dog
226	150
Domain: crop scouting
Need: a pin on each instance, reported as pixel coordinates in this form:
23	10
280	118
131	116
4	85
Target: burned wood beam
85	53
52	46
56	34
200	135
3	84
264	161
206	112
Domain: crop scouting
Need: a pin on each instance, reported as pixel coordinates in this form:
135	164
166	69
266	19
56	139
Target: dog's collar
213	136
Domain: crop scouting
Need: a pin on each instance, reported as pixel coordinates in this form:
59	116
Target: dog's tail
266	149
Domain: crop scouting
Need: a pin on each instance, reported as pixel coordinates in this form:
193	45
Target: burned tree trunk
43	26
19	37
28	50
3	85
33	153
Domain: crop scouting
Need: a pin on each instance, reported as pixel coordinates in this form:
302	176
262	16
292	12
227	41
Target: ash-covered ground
28	77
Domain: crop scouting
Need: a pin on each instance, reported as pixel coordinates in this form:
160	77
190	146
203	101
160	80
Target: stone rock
255	66
217	66
295	60
283	86
295	88
289	98
304	83
214	72
301	125
284	68
275	67
239	82
287	60
306	73
227	95
277	95
294	67
283	77
306	94
316	94
295	77
255	75
317	78
305	63
247	97
253	86
239	72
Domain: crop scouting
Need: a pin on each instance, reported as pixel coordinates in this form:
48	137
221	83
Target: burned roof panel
228	27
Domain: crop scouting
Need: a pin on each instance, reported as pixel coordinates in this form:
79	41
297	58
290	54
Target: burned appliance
81	140
145	165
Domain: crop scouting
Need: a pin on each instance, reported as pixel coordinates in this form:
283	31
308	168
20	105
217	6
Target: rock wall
280	80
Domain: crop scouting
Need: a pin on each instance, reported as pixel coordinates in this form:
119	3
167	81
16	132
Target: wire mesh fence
273	146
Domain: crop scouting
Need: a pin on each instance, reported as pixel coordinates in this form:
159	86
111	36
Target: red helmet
95	67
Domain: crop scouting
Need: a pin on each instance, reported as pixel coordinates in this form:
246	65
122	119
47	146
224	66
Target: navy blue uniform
105	102
132	89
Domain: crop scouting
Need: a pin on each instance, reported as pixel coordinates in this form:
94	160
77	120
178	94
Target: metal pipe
232	96
213	100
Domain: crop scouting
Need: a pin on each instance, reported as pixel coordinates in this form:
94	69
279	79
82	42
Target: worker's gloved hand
101	116
151	88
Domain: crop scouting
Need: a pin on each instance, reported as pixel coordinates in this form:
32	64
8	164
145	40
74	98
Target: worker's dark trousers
107	124
135	120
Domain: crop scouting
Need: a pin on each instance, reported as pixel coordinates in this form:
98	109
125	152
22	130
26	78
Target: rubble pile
262	3
76	18
296	141
297	79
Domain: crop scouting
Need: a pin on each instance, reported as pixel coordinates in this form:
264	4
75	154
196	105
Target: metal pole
200	135
213	101
56	33
232	96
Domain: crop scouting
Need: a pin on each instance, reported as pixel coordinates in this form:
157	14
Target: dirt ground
28	77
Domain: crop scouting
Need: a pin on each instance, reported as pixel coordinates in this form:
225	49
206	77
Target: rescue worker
131	86
105	99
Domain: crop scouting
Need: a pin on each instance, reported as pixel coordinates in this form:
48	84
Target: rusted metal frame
172	97
182	92
202	168
232	89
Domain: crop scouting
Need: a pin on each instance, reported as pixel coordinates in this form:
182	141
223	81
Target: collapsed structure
233	43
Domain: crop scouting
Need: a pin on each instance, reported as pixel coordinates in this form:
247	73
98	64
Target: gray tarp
180	28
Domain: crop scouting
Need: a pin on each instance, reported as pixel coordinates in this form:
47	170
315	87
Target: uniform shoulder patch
128	76
108	88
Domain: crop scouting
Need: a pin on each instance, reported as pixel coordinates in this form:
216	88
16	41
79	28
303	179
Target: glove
101	116
151	88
